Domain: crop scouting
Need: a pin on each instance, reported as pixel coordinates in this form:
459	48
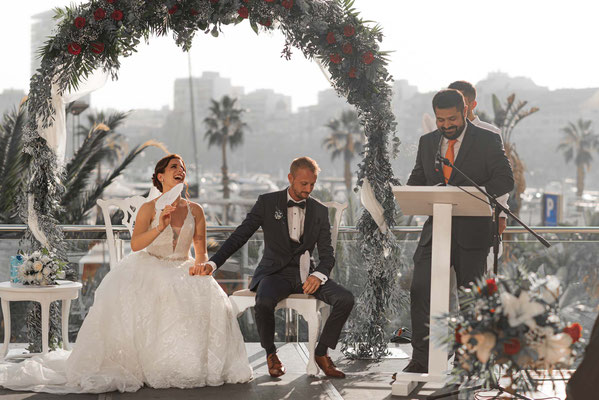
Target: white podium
442	202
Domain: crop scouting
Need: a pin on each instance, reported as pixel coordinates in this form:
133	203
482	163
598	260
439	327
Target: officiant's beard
454	131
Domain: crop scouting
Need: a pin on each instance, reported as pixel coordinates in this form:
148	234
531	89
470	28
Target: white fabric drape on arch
56	135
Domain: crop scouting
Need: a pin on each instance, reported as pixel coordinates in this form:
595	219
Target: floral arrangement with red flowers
512	321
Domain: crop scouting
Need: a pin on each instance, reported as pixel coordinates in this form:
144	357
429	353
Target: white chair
130	206
314	311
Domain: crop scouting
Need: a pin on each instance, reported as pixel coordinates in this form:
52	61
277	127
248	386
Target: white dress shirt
295	220
295	217
485	125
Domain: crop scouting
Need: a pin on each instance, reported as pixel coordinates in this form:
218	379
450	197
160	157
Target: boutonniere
278	214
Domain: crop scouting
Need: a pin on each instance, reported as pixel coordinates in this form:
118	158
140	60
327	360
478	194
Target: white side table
65	291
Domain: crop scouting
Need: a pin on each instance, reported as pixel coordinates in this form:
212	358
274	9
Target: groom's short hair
304	162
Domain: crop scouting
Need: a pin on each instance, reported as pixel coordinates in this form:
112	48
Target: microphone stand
497	208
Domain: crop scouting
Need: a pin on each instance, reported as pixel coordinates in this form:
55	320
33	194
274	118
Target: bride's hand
165	217
201	269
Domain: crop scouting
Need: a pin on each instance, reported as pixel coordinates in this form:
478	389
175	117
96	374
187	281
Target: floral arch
94	35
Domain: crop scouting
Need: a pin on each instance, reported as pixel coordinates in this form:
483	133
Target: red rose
331	38
491	286
347	48
194	12
266	22
117	15
74	48
110	1
173	9
352	72
367	58
287	4
243	12
335	58
511	346
79	22
574	331
99	14
214	1
97	47
458	334
349	30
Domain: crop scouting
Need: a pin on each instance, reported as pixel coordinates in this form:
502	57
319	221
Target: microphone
438	161
443	160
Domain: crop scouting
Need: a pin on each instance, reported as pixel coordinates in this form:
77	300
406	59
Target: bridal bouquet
41	268
512	322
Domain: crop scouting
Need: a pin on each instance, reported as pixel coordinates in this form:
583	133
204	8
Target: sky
433	44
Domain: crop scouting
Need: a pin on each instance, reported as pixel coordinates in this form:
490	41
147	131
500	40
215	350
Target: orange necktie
449	155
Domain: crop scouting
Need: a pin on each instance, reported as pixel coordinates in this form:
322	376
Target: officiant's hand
311	285
165	217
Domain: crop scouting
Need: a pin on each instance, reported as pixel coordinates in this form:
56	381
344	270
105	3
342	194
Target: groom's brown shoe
326	365
275	366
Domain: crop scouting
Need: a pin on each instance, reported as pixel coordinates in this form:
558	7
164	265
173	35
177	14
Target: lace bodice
168	245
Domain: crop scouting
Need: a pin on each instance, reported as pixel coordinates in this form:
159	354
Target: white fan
169	197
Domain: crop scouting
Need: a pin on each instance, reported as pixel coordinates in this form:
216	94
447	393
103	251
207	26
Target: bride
151	322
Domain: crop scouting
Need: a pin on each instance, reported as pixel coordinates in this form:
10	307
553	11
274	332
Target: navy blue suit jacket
270	213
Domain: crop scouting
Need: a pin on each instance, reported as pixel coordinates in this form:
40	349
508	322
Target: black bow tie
291	203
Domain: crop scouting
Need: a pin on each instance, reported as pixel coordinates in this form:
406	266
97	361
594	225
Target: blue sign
551	209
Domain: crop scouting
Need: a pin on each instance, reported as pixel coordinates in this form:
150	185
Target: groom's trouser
274	288
469	264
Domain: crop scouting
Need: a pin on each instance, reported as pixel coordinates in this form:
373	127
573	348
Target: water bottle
15	264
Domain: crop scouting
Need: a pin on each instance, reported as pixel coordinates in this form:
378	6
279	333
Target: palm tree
577	143
347	139
101	144
13	164
225	128
506	119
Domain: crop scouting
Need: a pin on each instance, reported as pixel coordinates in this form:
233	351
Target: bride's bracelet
159	231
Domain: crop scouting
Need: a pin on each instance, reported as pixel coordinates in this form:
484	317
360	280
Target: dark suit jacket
270	213
482	158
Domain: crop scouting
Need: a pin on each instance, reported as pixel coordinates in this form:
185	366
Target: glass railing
573	257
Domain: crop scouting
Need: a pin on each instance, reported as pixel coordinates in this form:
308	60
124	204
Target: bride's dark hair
161	167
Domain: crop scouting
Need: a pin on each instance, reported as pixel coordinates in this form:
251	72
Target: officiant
479	154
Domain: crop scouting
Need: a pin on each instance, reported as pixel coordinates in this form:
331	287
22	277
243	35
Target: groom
293	224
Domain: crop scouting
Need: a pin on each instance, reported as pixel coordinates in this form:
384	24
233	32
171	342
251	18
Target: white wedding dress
151	323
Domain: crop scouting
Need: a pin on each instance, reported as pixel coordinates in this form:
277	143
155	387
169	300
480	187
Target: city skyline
427	58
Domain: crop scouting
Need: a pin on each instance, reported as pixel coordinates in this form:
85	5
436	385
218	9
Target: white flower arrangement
41	268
